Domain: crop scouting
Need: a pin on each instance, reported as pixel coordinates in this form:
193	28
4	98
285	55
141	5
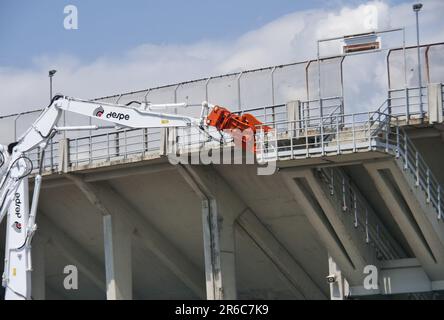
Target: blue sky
30	28
123	46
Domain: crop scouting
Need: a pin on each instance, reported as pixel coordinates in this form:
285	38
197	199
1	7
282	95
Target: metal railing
113	146
344	133
415	165
355	207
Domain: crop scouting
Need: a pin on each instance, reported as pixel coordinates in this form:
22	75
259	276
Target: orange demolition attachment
238	125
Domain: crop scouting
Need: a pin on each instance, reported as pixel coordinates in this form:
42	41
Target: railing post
439	202
90	149
272	84
406	158
367	236
126	145
117	138
398	145
355	209
353	132
52	155
369	131
417	168
407	105
338	149
428	185
307	154
145	140
322	138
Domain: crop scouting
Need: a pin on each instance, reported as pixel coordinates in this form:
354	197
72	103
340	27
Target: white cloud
287	39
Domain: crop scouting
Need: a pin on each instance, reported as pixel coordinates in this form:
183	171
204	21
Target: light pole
51	73
416	8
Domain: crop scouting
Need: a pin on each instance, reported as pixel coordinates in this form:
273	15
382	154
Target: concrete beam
102	193
360	253
320	222
424	213
300	283
104	175
422	240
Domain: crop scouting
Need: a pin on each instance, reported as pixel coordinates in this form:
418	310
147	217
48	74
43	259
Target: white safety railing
113	146
355	207
344	133
415	165
407	103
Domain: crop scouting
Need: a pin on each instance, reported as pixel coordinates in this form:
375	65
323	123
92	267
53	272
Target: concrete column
38	288
117	240
63	164
219	211
434	96
219	252
293	116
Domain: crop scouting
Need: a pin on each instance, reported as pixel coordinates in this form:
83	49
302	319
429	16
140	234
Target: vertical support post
219	254
338	146
117	241
406	157
353	133
418	50
428	185
355	205
367	235
407	105
239	90
272	85
417	168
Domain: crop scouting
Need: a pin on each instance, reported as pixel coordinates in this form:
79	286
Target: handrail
354	205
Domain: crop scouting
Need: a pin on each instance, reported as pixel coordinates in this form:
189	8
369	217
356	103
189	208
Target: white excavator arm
15	166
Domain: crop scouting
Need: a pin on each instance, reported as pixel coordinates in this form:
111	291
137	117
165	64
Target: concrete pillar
63	164
220	209
117	241
293	116
434	96
38	288
219	252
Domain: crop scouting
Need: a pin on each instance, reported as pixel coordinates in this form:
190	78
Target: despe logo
99	112
17	226
17	210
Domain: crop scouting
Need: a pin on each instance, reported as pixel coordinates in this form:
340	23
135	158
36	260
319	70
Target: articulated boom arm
15	167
